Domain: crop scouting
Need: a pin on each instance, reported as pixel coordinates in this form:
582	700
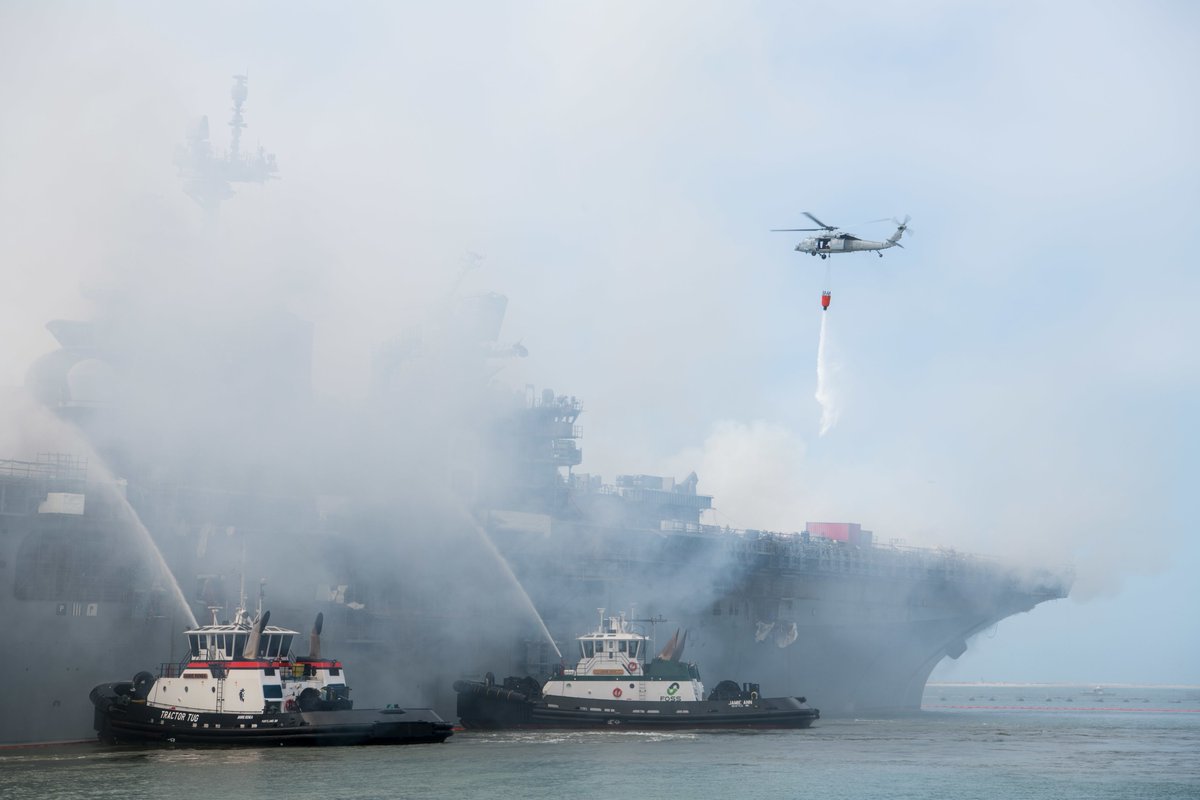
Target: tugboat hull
119	718
481	706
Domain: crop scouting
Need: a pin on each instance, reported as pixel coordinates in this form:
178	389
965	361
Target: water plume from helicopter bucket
825	394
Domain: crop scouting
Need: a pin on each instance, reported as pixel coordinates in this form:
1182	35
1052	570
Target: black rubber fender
142	683
309	700
474	687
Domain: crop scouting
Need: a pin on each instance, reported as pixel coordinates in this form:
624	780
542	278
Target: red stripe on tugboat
235	698
284	665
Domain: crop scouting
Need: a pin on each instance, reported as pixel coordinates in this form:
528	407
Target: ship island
170	457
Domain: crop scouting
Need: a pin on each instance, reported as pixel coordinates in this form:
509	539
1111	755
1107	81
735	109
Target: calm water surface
972	742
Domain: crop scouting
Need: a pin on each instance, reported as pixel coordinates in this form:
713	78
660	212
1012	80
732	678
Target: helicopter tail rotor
901	229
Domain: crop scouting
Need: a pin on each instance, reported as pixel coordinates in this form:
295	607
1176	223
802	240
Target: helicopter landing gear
879	254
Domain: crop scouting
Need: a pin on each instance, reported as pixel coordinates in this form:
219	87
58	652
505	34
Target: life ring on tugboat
617	692
633	667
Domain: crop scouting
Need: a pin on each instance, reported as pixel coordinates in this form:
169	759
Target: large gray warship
169	458
454	565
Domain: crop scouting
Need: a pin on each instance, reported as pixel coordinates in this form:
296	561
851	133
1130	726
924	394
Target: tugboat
613	685
240	685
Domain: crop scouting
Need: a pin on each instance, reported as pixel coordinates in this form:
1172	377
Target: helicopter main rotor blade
781	230
822	224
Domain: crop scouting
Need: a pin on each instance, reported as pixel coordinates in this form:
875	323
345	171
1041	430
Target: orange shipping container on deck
838	531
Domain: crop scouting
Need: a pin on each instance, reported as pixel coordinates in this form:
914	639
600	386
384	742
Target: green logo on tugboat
672	689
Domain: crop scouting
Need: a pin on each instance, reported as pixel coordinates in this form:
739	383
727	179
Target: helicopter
832	240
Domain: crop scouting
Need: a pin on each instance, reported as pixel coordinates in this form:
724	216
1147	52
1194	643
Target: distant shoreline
1099	684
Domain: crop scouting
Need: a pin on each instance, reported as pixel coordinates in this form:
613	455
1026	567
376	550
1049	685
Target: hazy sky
1019	381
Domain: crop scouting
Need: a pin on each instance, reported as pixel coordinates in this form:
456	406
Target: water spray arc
512	576
155	555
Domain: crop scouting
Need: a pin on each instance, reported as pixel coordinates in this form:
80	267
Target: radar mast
208	176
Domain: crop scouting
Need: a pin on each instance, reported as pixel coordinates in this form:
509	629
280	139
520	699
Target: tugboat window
587	649
621	646
195	642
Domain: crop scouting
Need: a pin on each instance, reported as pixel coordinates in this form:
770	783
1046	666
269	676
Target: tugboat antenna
242	576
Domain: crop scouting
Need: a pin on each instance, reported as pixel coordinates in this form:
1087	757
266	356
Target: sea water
969	742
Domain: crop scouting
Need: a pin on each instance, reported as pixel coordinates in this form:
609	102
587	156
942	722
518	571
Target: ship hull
857	630
120	720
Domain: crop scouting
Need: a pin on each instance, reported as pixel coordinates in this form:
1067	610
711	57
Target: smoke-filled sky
1018	381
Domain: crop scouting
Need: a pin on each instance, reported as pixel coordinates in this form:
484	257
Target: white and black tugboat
613	684
240	685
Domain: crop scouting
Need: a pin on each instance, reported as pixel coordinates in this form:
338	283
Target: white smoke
751	469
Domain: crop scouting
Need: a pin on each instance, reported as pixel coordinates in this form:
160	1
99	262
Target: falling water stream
824	394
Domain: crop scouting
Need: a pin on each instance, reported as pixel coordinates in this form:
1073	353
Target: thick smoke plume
620	166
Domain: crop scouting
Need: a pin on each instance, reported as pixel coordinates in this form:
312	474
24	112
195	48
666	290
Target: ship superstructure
209	175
